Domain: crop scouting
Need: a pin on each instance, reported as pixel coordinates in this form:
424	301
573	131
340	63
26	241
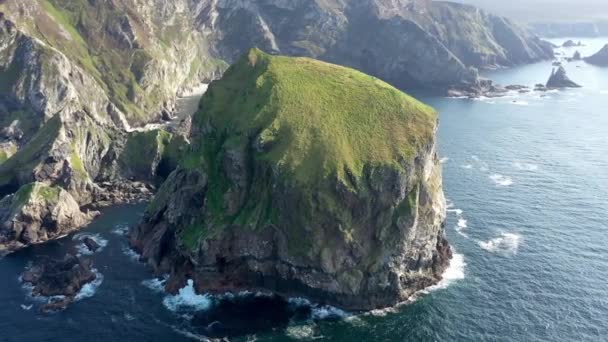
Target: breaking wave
506	244
453	273
89	289
121	229
444	160
501	180
187	300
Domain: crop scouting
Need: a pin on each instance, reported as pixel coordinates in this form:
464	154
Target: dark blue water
527	179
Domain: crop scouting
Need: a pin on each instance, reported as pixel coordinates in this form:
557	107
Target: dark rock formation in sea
37	213
559	79
571	43
320	182
577	56
600	58
59	280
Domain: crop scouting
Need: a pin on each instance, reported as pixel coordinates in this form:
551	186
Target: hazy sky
545	10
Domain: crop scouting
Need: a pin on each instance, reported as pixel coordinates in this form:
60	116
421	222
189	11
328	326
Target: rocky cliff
79	79
319	181
600	58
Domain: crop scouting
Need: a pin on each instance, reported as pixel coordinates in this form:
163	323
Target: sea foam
82	249
506	244
187	300
89	289
453	273
525	166
501	180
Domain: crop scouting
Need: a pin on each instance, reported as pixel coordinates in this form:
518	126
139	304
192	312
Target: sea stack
600	58
559	79
304	179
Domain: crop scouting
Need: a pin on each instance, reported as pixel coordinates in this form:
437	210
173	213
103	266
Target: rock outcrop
59	280
559	79
600	58
37	213
320	182
570	43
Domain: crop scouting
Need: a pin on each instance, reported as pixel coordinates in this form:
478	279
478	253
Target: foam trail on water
501	180
319	312
467	166
444	160
187	299
506	244
132	254
27	307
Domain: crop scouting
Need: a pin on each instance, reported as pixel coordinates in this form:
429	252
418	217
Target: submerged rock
319	182
600	58
91	244
59	280
559	79
38	213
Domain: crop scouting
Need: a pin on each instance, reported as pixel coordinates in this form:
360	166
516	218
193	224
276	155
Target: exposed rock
600	58
571	43
577	56
559	79
61	280
91	244
245	211
37	213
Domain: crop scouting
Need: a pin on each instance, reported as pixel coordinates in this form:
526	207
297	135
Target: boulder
91	244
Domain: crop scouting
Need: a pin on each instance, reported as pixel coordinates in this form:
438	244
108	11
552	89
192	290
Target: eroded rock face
37	213
559	79
239	220
600	58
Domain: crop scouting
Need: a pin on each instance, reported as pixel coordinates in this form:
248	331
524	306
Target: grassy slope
318	119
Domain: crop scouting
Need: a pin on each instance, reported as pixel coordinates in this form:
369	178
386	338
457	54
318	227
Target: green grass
316	120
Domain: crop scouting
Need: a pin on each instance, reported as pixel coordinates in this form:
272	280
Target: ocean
526	177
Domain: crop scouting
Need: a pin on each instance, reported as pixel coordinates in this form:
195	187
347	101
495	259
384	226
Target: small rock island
304	179
559	79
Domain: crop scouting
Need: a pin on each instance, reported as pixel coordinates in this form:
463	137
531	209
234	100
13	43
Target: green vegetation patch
315	120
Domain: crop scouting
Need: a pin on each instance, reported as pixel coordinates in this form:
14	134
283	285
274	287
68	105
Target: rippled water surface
527	180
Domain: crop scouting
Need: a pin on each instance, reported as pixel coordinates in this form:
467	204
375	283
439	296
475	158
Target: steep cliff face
408	42
319	181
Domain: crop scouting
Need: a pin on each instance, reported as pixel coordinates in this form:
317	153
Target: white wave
453	273
187	299
475	158
190	335
444	160
457	211
506	244
89	289
301	332
121	229
156	284
467	166
27	307
462	223
525	166
82	249
501	180
129	317
319	312
132	254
